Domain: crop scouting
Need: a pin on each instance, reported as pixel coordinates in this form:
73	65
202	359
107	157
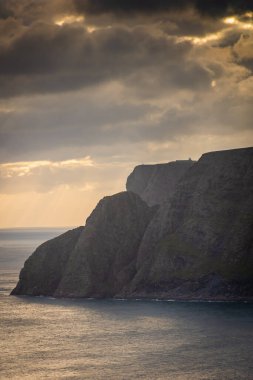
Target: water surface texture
45	338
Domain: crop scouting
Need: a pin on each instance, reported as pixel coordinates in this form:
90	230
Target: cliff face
196	243
157	183
44	269
104	257
201	244
95	261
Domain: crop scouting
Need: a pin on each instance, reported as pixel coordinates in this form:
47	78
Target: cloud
84	123
83	174
41	176
5	10
39	126
20	169
57	51
63	55
57	59
123	82
122	7
243	51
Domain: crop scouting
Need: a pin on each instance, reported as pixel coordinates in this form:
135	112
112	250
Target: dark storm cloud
65	123
129	6
30	11
64	58
38	56
5	10
213	8
221	8
167	78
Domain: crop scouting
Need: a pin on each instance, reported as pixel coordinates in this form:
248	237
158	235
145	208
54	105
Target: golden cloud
24	168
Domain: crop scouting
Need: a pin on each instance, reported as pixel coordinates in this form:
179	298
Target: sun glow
68	19
230	20
241	23
24	168
200	40
91	29
244	23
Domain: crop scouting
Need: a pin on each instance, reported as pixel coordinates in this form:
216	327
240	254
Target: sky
91	88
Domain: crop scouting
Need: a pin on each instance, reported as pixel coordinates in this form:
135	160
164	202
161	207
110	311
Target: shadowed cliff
200	245
157	183
92	261
196	243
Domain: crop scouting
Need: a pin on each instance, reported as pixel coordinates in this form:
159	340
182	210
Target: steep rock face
156	184
197	244
43	270
201	244
102	258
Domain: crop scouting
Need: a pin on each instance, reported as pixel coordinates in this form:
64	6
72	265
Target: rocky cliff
201	244
157	183
194	243
95	261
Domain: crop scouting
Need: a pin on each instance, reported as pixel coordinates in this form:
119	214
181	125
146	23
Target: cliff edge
156	184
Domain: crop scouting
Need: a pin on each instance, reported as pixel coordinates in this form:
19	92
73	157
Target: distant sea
46	338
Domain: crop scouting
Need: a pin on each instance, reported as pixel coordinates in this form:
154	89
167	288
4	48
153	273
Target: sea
47	338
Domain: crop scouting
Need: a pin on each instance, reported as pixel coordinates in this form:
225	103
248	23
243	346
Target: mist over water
45	338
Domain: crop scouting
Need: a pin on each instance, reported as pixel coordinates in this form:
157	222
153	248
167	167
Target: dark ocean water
45	338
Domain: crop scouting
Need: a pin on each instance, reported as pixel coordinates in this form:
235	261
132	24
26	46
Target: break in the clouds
121	82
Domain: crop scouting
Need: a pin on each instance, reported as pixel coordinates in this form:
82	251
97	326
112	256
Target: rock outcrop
44	269
157	183
201	244
196	242
95	261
